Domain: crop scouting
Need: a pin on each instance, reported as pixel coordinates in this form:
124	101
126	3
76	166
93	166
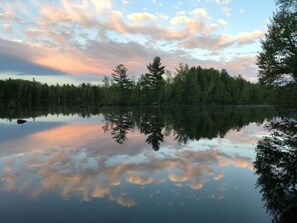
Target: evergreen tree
121	79
278	59
156	70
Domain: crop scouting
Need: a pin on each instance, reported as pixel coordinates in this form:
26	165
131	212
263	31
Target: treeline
22	92
188	85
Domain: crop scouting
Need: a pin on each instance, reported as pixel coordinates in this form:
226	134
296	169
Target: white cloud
199	13
227	11
101	5
162	16
223	23
7	27
241	11
181	12
246	37
181	19
220	42
141	16
221	2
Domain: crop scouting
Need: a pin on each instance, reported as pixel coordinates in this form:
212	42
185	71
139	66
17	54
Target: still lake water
168	164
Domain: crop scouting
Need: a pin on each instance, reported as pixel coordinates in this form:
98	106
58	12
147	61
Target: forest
188	86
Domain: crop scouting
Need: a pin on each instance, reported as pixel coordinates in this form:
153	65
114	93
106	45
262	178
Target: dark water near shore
159	164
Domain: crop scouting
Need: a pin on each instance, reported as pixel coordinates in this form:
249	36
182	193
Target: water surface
173	164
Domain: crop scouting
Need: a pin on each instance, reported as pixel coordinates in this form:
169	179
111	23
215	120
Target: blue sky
74	41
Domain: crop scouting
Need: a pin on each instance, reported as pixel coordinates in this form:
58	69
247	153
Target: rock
21	121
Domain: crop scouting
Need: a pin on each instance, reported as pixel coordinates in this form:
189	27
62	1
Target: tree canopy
278	60
287	4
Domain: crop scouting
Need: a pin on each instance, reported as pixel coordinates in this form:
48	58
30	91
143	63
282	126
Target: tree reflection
151	125
276	166
119	124
184	123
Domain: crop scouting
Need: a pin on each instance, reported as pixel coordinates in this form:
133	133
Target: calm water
174	164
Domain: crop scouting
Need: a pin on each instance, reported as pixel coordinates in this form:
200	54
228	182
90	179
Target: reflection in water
151	125
204	162
188	123
276	166
119	124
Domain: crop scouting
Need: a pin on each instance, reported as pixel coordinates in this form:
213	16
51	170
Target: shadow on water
276	167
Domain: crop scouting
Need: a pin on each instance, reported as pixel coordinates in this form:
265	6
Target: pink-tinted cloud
63	33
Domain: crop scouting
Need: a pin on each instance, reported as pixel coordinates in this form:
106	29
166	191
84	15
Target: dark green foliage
276	166
122	81
278	60
155	78
196	85
32	93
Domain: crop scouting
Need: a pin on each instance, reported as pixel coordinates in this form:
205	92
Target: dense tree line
22	92
188	85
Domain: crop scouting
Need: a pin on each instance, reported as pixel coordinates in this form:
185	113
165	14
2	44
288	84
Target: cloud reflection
79	159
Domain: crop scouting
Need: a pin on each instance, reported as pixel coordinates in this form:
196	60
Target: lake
148	164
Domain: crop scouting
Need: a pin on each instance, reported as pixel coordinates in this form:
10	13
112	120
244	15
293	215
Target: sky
75	41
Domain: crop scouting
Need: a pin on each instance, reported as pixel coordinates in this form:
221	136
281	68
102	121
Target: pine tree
121	79
156	70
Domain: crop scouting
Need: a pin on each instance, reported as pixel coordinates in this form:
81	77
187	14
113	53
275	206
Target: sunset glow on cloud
88	38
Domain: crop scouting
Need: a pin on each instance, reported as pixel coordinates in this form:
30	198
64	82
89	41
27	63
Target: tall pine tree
156	70
121	79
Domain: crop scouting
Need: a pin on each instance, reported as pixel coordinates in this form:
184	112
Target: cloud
7	27
102	5
17	57
223	41
247	37
241	11
200	13
223	23
181	12
65	32
227	11
99	191
219	176
126	202
221	2
141	17
81	14
196	186
139	180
